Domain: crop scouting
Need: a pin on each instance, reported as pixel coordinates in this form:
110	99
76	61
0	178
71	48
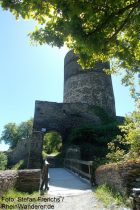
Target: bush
108	196
18	165
16	194
3	161
52	142
93	140
127	146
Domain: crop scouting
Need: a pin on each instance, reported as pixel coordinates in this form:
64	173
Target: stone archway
61	117
88	99
52	143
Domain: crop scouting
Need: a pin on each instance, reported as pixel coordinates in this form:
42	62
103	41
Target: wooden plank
80	161
80	172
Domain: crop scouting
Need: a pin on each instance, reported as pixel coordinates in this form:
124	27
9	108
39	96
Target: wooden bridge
63	182
73	186
74	178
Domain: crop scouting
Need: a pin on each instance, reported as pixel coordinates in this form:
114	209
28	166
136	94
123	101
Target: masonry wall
22	180
28	180
20	152
62	117
7	180
122	177
92	86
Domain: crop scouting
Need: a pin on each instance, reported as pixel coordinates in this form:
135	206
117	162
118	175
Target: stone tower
87	94
93	86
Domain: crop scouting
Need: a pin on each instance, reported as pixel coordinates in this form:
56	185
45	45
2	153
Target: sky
29	73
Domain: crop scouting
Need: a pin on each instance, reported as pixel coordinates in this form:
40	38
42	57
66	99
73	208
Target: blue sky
29	73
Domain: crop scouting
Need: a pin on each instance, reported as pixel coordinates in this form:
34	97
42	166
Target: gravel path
87	201
79	202
69	192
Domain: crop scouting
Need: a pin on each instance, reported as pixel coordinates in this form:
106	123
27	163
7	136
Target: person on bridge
45	176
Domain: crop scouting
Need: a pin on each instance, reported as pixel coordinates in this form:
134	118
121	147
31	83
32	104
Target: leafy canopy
13	133
127	147
52	142
96	30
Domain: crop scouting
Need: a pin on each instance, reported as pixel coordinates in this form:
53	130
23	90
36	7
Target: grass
108	196
17	165
13	197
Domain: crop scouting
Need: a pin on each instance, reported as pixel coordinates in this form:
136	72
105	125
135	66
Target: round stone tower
93	86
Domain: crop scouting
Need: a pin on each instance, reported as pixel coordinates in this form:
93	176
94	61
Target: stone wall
20	152
22	180
122	177
92	86
28	180
63	117
87	96
8	180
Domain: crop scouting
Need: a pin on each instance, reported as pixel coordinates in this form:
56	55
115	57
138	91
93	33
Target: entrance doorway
52	143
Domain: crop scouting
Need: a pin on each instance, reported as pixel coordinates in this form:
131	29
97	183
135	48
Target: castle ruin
85	91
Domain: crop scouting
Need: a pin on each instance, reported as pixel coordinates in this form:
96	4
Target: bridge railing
77	165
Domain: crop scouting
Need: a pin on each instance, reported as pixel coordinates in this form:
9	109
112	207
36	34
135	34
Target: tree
52	142
3	161
95	30
25	129
13	133
127	146
9	135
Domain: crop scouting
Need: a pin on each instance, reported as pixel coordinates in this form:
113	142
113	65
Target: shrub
3	161
93	140
52	142
16	194
126	147
18	165
108	196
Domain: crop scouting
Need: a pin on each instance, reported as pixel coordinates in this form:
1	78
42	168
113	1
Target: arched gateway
85	94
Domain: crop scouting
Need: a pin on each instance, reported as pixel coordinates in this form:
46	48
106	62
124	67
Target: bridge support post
35	151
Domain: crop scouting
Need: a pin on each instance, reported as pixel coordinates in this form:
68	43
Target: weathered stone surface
122	177
62	117
84	92
28	180
93	86
136	198
20	152
7	180
22	180
35	156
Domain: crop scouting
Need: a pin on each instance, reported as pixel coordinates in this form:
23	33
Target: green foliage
116	153
96	30
25	129
108	196
13	133
3	161
13	193
52	143
127	147
18	165
93	140
9	134
102	115
44	154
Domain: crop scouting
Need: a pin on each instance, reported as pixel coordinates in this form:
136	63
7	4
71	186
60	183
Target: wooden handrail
80	161
70	163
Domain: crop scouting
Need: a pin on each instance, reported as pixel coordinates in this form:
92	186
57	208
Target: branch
118	13
134	5
121	26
